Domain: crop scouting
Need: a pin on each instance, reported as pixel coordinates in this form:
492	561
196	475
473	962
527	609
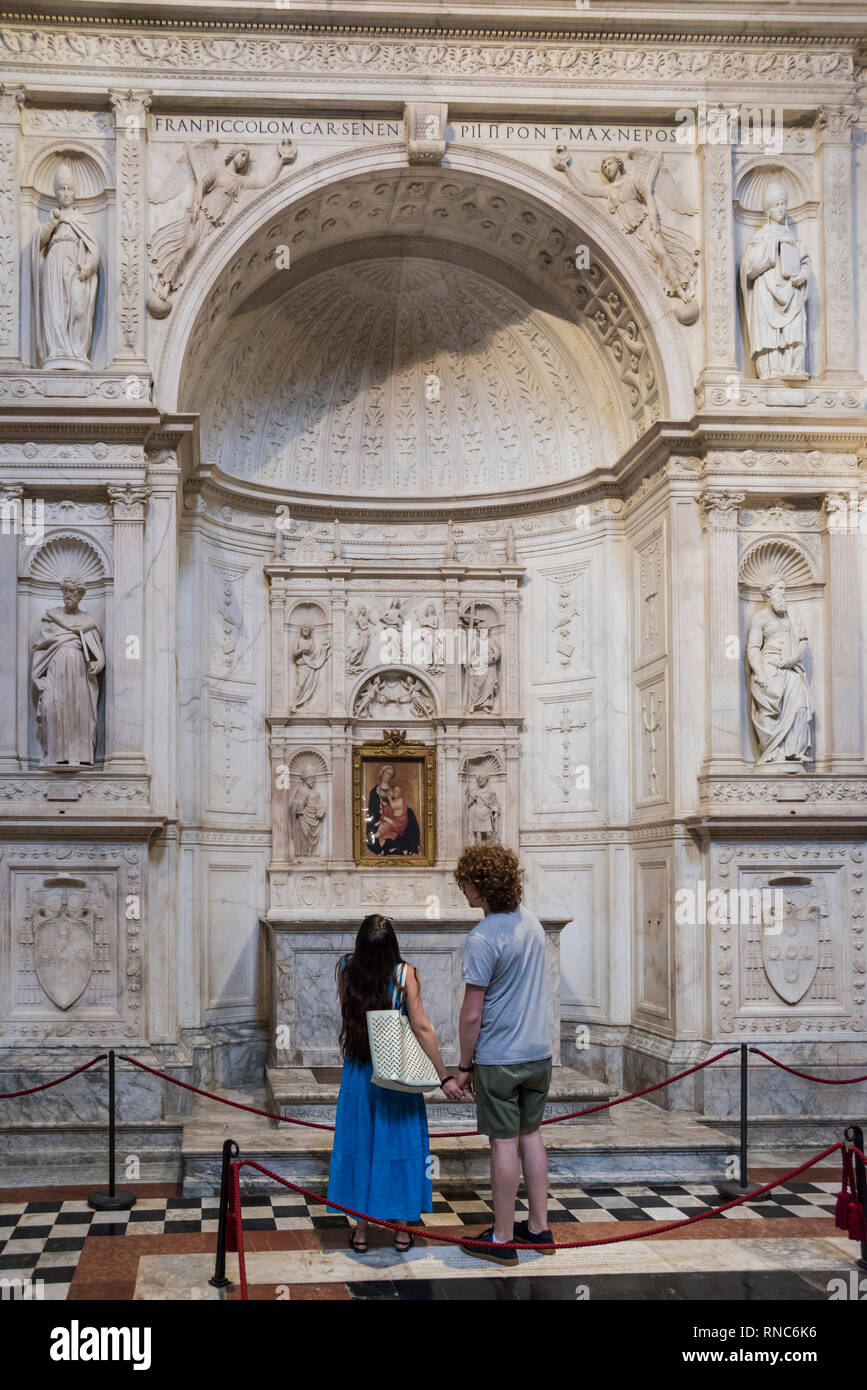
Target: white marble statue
782	706
219	178
774	286
306	814
65	279
483	669
414	694
629	184
359	641
483	812
67	660
308	663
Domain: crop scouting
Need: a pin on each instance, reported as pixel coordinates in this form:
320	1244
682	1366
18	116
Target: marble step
638	1142
295	1091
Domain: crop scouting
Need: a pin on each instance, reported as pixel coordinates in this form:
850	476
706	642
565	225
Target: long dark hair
366	977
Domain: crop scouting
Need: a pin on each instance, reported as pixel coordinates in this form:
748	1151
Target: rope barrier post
219	1280
114	1199
736	1187
855	1135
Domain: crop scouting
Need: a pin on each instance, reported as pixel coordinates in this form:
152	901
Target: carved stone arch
776	557
302	613
68	551
643	301
392	673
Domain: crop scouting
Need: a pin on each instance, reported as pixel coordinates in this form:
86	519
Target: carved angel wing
203	157
652	176
175	181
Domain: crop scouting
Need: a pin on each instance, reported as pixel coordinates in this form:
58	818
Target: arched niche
95	201
67	551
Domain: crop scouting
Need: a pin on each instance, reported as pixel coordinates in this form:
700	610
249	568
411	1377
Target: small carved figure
483	812
306	813
308	663
356	647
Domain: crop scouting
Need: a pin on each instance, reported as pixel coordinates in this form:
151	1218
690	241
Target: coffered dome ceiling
400	375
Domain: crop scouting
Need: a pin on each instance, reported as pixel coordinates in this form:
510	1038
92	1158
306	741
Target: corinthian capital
837	122
719	510
128	502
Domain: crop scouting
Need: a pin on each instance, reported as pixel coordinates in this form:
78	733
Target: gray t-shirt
506	954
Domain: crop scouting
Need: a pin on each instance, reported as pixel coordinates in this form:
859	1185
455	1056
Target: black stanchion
115	1199
736	1187
855	1135
230	1152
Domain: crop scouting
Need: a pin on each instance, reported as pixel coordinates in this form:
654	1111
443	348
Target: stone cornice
800	70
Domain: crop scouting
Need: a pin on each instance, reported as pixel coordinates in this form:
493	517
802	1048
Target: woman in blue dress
380	1162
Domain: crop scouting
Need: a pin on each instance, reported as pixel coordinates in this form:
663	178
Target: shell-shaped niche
67	555
771	559
308	764
754	184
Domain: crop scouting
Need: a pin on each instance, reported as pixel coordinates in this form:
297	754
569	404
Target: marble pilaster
11	101
719	511
130	116
833	127
126	748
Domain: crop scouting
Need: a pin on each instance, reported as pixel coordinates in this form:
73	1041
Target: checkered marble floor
41	1241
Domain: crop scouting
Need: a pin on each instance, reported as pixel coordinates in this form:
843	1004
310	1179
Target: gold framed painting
394	802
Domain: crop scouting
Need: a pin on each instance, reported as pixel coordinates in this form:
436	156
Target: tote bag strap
398	988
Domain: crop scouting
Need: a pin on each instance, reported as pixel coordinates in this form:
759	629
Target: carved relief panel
789	940
73	930
567	767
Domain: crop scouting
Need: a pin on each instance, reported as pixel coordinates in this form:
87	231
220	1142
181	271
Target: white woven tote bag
399	1063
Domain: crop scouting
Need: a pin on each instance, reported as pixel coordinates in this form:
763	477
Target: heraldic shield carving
63	923
791	955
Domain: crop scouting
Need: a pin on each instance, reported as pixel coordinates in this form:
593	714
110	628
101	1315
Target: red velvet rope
427	1234
436	1134
13	1095
253	1109
823	1080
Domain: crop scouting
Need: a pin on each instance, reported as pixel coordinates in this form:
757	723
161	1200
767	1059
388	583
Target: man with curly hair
505	1039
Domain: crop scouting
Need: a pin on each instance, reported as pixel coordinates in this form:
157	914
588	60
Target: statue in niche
359	642
393	615
218	182
431	638
483	812
774	286
67	660
65	278
782	706
306	814
482	665
308	663
630	187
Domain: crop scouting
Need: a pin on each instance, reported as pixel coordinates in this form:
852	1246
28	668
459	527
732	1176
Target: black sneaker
523	1232
497	1254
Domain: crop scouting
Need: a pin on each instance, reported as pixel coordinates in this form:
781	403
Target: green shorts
510	1099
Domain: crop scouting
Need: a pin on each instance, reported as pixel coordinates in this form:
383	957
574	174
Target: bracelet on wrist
444	1079
470	1068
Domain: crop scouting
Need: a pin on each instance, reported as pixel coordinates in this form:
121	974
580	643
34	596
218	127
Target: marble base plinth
302	950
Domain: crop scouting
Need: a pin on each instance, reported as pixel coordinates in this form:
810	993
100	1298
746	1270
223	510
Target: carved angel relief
218	180
631	184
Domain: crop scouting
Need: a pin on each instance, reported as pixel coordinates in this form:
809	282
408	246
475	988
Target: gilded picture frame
394	802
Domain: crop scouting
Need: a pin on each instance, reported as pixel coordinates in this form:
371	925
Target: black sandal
402	1249
360	1249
